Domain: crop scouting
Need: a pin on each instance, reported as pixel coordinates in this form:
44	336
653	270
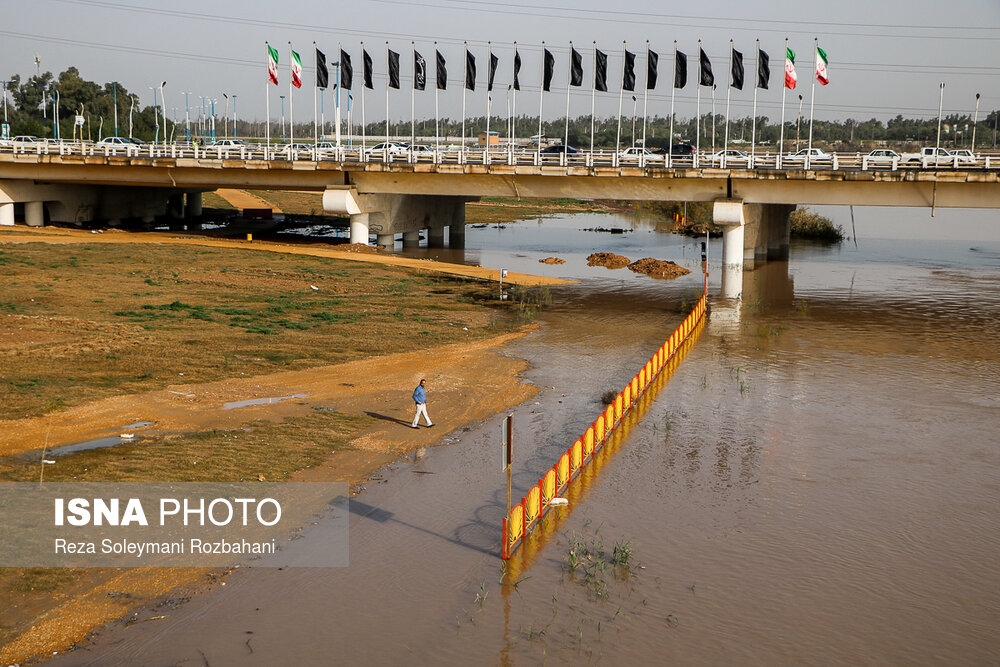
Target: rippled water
817	482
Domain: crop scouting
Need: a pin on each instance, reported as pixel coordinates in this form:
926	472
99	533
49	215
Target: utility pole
282	118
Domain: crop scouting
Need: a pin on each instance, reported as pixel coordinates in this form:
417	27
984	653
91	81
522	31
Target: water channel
817	482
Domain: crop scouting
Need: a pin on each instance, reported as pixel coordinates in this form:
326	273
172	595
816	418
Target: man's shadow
387	418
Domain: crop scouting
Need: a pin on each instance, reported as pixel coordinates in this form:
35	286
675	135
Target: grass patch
807	224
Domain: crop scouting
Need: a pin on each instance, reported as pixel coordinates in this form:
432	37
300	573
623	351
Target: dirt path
242	199
64	236
466	382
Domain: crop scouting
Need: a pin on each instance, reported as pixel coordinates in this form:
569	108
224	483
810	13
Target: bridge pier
7	214
752	233
390	214
387	240
192	208
34	213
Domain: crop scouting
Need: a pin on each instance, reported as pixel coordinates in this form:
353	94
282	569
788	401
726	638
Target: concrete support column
456	233
411	239
435	237
732	245
7	214
34	213
175	206
193	207
752	233
359	228
387	240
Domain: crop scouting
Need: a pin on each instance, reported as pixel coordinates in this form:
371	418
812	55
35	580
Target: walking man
420	398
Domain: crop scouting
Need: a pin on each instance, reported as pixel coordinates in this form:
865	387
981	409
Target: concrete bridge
389	195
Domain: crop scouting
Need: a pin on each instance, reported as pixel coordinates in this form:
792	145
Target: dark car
569	150
682	149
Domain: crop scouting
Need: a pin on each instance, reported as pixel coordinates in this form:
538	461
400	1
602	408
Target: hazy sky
886	56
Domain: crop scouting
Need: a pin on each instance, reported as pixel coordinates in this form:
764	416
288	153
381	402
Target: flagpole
729	93
336	99
621	95
291	112
697	140
812	102
781	140
437	128
645	101
713	118
541	98
489	97
593	100
267	98
413	96
387	77
753	126
673	89
461	152
316	93
364	131
569	79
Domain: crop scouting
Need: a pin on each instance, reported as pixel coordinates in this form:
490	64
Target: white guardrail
506	156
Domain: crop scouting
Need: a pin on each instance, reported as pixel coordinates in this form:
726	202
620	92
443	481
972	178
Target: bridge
389	194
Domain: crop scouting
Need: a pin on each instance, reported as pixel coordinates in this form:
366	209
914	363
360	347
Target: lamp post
798	124
937	146
214	100
234	116
975	119
55	113
187	116
130	110
282	118
156	119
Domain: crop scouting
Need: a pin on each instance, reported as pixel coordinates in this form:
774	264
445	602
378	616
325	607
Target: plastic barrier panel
609	420
563	471
588	443
618	409
549	486
515	526
599	429
532	505
635	389
576	456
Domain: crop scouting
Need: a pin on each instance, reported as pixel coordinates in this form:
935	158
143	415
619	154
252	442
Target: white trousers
421	410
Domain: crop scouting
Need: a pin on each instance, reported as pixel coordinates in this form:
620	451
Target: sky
886	57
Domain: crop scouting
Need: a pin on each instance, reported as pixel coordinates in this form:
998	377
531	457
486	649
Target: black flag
369	84
601	71
706	78
346	71
494	61
517	69
442	71
548	67
628	76
322	73
651	61
393	70
680	70
575	67
470	70
737	70
419	71
763	69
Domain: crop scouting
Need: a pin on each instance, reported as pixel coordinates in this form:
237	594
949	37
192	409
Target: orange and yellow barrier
525	515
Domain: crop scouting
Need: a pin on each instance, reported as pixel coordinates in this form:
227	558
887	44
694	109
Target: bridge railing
521	156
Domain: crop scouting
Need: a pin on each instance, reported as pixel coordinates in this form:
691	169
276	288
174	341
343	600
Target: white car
634	153
228	144
116	144
884	156
390	147
732	156
814	155
965	156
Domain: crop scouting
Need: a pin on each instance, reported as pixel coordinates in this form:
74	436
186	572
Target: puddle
96	443
232	405
139	425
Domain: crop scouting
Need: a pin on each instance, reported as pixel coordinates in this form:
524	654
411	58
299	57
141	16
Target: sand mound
658	268
356	247
552	260
608	260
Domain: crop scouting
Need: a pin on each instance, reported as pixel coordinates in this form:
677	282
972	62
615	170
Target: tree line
31	109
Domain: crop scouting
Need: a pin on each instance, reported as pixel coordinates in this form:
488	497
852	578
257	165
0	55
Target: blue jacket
419	395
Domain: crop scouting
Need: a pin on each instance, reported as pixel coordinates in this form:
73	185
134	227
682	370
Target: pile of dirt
658	268
356	247
608	260
552	260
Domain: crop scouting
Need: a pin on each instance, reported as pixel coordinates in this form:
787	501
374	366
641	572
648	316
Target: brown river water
817	482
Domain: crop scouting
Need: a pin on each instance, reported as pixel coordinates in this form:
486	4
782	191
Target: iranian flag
790	78
821	61
272	64
296	70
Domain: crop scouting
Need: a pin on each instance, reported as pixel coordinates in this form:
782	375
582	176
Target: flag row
706	76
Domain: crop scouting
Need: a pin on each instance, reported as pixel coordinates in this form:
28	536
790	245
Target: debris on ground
552	260
356	247
658	268
608	260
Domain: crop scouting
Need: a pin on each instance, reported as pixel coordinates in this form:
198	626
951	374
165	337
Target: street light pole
282	118
214	138
163	104
187	116
798	124
234	116
937	147
156	119
975	119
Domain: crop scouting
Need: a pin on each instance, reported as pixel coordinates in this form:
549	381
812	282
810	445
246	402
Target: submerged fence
524	516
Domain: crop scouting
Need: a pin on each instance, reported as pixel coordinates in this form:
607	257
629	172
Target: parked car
814	155
229	144
25	139
559	148
884	156
633	153
930	155
297	149
419	149
732	156
682	149
965	156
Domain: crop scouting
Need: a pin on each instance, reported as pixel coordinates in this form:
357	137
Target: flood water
817	482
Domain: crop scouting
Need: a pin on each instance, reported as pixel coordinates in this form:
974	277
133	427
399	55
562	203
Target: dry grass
502	210
82	322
